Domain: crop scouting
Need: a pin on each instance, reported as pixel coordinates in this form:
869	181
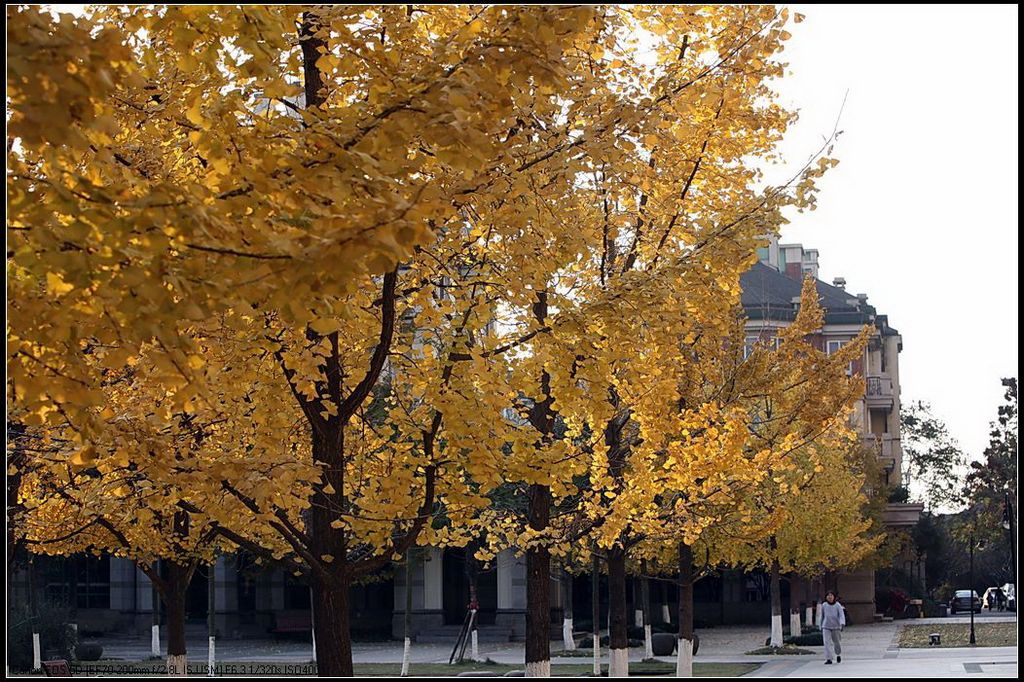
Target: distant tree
929	455
992	479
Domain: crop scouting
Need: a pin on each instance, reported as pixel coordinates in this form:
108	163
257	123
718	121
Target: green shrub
55	635
588	642
88	651
582	625
785	650
812	639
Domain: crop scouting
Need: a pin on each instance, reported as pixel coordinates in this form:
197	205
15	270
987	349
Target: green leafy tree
929	455
994	480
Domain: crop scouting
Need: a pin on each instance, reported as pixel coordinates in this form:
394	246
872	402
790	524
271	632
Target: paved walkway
868	651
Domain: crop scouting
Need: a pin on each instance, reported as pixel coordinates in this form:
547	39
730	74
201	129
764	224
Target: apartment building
771	294
110	593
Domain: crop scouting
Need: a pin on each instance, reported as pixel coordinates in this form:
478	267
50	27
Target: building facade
771	296
110	594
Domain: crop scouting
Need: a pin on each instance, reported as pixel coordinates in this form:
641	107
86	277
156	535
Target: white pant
832	646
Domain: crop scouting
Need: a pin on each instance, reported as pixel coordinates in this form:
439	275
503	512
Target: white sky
921	212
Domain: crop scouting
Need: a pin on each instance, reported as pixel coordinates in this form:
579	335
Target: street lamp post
971	585
1008	525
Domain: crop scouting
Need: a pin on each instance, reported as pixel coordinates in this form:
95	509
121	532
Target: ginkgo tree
800	429
92	502
733	428
260	168
347	239
664	219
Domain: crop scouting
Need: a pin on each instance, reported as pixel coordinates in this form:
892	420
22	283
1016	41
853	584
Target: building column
857	593
143	604
122	585
277	590
511	593
225	576
269	597
427	593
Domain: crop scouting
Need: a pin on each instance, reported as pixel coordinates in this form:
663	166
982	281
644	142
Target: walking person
833	620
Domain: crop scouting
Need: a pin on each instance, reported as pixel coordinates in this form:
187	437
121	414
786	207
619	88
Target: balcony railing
901	514
887	450
879	392
884	445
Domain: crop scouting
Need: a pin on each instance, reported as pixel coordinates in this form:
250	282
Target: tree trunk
538	589
73	599
684	652
776	602
211	617
154	630
638	611
407	620
809	601
568	642
474	607
666	613
330	605
618	637
333	644
595	607
645	600
178	578
33	605
794	622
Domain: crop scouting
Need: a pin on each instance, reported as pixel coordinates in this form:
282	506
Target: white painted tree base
154	640
538	669
37	657
666	615
684	658
648	643
177	665
809	615
568	643
794	624
405	657
776	630
312	625
618	663
638	618
211	657
474	647
597	656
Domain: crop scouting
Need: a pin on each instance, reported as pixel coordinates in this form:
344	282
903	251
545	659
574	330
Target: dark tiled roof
768	295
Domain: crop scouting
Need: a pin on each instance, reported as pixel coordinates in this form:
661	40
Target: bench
58	668
287	622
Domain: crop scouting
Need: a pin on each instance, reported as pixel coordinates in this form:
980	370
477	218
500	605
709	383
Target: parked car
994	599
965	600
1010	594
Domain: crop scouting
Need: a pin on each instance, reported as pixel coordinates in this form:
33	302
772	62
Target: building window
832	346
748	346
296	594
82	578
750	342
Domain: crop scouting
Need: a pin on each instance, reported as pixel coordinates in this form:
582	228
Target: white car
1010	593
